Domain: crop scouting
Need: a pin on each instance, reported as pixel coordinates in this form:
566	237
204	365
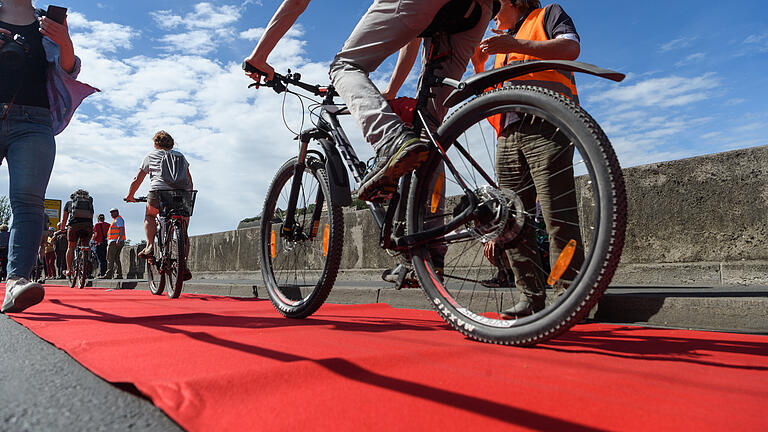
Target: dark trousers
113	260
536	161
101	255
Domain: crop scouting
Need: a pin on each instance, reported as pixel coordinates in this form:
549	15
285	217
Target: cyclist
388	26
525	32
168	169
78	214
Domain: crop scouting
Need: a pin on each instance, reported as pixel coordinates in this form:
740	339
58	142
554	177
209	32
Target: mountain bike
456	209
167	265
80	265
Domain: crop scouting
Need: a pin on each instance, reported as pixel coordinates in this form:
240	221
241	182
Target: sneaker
394	159
526	306
21	294
503	279
187	275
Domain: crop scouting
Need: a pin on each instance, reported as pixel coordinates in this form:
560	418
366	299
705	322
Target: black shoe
501	280
187	275
526	306
394	159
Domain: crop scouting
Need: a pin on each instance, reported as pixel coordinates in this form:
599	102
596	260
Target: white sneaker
21	294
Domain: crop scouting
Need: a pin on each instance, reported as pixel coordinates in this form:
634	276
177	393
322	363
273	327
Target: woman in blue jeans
38	95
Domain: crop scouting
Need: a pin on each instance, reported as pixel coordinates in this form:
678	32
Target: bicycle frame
334	141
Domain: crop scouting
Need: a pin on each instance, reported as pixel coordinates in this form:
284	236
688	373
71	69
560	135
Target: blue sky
696	84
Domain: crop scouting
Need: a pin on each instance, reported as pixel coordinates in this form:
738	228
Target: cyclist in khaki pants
388	26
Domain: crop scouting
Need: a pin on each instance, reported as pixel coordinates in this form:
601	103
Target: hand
478	60
262	66
501	44
59	33
389	95
489	251
4	31
130	198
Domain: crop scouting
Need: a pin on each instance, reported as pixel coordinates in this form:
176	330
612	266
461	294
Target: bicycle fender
481	82
337	174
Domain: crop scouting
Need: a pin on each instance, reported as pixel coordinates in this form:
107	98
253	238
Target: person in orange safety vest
528	153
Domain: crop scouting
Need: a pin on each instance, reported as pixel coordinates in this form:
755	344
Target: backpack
455	17
173	170
82	207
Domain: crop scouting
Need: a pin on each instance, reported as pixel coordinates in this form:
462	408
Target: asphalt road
44	389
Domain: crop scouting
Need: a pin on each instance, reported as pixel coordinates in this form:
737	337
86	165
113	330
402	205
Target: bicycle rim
555	151
299	271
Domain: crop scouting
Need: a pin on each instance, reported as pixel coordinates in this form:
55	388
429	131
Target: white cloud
682	42
758	42
660	92
691	59
204	28
234	137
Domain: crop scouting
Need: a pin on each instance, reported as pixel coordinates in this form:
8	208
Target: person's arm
553	49
59	33
135	186
405	61
63	221
278	26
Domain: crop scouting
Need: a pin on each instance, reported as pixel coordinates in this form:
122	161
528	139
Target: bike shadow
643	343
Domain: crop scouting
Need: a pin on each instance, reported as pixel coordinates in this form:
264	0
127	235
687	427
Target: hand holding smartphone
56	13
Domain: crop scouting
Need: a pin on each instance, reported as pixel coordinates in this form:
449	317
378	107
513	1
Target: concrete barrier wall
697	221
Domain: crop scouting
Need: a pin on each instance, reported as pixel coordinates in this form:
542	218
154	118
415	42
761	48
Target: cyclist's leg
71	244
150	225
384	29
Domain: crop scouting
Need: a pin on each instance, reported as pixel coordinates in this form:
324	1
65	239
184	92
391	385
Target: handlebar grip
137	199
251	68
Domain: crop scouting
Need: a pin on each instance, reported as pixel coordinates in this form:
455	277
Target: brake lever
274	83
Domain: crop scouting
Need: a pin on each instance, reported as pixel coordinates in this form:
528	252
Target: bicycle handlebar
278	83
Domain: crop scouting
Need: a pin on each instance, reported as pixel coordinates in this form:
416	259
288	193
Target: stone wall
697	221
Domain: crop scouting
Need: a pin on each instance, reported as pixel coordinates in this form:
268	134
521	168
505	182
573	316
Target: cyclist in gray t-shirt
160	178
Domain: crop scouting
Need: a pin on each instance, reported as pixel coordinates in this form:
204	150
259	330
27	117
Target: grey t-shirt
151	165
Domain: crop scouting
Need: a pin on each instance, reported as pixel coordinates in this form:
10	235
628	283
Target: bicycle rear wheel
178	261
72	275
154	272
171	273
550	149
300	268
82	268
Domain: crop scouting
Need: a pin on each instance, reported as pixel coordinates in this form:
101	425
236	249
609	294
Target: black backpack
455	17
82	207
173	170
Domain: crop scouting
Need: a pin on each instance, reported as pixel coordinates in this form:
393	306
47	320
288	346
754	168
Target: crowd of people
41	93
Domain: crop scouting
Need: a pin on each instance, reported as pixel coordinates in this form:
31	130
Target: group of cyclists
387	27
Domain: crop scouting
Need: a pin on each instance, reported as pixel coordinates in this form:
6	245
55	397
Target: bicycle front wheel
300	263
545	159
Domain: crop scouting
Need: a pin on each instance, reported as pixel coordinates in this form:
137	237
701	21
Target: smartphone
56	13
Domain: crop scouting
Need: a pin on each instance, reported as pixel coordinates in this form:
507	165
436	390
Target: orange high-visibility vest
559	81
114	231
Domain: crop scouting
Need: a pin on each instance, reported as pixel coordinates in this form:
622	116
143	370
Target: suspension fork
298	172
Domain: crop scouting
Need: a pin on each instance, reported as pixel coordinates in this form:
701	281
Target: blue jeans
27	144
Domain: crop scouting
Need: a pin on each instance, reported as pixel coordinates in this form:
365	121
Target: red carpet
215	363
